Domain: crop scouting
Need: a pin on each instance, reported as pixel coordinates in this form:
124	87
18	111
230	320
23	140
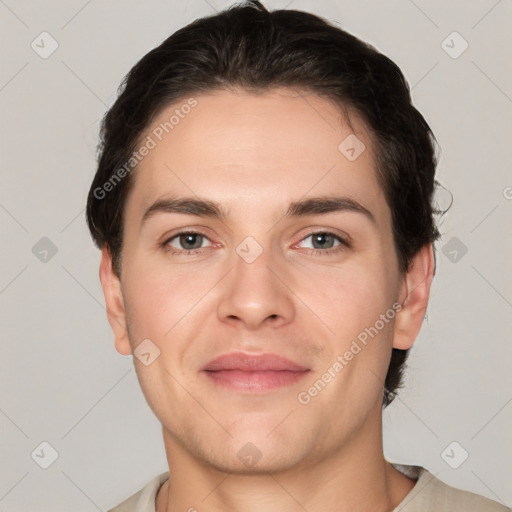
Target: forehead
256	153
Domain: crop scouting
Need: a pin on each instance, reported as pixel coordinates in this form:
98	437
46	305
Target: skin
254	154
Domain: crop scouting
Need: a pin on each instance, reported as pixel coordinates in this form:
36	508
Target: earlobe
413	296
114	302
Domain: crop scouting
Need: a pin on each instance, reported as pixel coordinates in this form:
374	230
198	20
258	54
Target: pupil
321	239
190	239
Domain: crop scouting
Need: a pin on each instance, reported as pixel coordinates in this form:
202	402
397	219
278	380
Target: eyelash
317	252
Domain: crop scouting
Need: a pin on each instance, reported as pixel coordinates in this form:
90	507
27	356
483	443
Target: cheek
157	299
352	296
358	308
352	301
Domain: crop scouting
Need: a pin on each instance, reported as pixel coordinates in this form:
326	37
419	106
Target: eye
323	242
192	242
185	242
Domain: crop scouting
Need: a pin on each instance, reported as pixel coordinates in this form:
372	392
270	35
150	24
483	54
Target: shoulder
443	495
143	500
431	494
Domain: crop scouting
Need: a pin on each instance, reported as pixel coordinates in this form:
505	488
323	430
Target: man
263	206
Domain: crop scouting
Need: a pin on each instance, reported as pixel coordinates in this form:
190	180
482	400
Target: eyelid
342	237
186	231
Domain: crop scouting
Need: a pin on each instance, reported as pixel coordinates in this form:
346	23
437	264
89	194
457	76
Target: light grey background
61	379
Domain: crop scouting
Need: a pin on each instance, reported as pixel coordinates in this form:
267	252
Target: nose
256	293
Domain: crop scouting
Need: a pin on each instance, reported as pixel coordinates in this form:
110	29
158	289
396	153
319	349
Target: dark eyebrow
206	208
190	205
327	204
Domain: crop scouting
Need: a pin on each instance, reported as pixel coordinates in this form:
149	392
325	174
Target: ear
413	296
116	313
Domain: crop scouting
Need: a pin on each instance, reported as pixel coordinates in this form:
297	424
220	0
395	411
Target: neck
354	477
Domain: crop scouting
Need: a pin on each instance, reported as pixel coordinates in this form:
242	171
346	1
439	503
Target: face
267	271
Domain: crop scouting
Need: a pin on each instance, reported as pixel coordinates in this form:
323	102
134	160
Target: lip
253	362
240	371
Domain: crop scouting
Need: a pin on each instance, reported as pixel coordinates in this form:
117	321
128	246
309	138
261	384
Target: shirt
428	495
